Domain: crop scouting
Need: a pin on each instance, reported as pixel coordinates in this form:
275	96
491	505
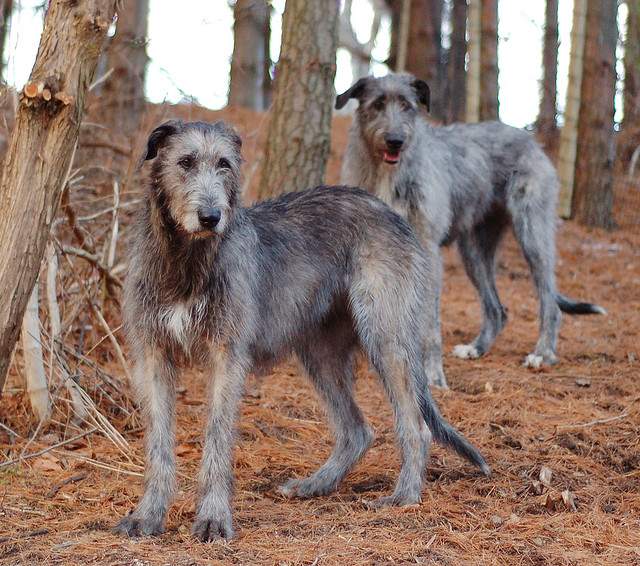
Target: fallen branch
93	260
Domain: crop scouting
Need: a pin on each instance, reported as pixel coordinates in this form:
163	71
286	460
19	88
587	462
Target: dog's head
388	109
196	174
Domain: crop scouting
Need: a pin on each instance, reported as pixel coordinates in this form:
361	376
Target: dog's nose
394	141
209	217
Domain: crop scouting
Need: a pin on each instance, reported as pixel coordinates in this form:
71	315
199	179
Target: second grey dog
319	273
464	183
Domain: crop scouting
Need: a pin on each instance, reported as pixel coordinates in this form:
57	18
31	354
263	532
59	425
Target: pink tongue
391	157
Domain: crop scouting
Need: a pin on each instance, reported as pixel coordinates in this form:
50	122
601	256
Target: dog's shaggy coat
318	273
464	183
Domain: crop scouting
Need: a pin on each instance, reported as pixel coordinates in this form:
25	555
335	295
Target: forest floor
580	420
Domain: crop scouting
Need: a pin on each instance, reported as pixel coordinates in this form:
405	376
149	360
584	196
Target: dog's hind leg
414	437
477	250
328	360
213	511
155	378
533	216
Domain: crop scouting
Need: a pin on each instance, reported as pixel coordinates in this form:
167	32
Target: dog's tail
444	433
575	307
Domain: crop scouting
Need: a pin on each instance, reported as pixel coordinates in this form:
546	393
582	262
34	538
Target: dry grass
580	419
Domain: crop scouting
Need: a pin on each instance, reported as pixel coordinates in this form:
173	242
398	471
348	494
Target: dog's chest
385	189
183	322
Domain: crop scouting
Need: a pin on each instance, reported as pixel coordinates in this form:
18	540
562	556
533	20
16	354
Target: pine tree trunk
593	191
41	150
569	132
298	139
395	11
547	125
474	25
631	96
248	61
122	93
424	48
489	61
5	17
455	98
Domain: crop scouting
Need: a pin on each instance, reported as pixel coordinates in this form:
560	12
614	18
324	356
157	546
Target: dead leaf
545	476
47	463
488	387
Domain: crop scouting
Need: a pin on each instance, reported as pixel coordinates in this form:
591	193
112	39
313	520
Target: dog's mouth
391	156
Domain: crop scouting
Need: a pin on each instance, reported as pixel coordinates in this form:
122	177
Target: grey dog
319	273
464	183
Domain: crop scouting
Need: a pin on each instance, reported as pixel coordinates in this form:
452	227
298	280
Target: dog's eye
405	104
224	163
379	104
186	162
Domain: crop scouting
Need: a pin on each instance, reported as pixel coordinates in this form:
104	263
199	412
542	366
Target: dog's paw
536	361
305	488
394	500
134	525
466	352
208	529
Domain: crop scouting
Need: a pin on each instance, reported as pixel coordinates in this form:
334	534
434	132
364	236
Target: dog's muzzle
391	153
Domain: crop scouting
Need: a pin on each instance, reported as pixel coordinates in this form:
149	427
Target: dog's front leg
155	381
213	512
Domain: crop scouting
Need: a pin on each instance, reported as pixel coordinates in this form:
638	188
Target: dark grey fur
318	273
465	182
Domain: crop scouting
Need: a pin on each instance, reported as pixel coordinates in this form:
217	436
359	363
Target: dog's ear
159	136
423	92
356	91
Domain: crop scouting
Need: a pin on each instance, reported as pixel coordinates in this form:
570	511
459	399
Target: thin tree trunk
569	133
547	125
267	83
395	12
455	97
593	193
246	87
631	100
489	106
41	150
5	17
298	139
473	72
123	92
424	48
35	376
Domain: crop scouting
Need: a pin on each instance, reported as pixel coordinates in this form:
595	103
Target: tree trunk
569	133
267	83
593	192
631	96
123	92
455	97
5	16
547	125
298	139
246	87
473	72
395	12
489	60
424	48
41	150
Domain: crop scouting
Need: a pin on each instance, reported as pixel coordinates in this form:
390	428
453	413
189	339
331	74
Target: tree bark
5	17
395	12
41	150
123	92
489	105
424	49
246	87
593	191
298	138
547	125
473	72
455	97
